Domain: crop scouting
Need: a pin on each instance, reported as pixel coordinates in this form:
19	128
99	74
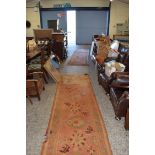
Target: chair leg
47	75
99	82
37	91
117	118
39	97
126	123
29	99
44	76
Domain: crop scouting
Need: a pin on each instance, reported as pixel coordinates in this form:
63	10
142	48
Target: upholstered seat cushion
34	66
36	60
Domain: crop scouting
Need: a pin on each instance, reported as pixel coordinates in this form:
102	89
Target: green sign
65	5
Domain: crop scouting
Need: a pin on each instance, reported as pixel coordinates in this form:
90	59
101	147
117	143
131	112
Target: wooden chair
29	99
40	34
43	37
36	65
34	84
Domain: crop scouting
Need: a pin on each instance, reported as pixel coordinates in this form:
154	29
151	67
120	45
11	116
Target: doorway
71	27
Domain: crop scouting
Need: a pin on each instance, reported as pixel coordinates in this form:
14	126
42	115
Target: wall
52	15
89	23
119	14
76	3
34	18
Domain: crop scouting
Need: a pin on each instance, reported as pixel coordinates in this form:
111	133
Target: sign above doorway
64	5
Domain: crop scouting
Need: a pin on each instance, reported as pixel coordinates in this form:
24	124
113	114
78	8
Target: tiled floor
38	113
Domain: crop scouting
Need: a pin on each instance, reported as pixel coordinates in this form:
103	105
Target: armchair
103	79
119	95
34	84
120	101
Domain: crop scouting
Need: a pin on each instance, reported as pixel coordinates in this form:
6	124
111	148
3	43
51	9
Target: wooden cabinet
59	37
60	45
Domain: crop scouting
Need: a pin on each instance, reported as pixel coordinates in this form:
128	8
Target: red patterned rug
79	58
76	126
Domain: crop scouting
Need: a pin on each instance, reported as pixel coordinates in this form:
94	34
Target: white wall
33	16
34	19
119	14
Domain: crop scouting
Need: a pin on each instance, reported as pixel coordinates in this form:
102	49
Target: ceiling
123	1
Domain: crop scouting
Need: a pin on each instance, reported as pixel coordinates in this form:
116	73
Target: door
89	23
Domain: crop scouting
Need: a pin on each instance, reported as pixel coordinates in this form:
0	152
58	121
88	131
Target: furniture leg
29	99
126	124
38	95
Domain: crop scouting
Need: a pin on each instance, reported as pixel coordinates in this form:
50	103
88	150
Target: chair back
42	34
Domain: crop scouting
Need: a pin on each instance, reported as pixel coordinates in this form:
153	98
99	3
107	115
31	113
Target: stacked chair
34	84
43	39
36	65
35	77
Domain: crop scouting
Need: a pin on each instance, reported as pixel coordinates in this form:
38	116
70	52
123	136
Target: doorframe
109	17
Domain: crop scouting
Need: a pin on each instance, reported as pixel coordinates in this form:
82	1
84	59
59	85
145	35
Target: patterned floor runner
76	126
79	58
